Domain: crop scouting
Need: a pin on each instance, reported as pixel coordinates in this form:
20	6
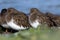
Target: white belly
5	25
35	24
15	26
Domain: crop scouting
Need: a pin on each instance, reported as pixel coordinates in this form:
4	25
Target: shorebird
2	19
54	18
14	19
17	20
37	18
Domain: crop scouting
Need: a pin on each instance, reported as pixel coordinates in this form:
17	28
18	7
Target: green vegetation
41	33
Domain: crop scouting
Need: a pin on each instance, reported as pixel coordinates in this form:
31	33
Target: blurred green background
43	32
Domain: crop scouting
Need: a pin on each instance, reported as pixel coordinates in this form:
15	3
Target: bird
17	20
54	18
14	19
2	19
36	18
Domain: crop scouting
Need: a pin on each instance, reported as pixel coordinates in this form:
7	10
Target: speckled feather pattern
20	18
35	14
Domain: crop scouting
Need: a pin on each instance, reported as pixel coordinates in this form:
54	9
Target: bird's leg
6	30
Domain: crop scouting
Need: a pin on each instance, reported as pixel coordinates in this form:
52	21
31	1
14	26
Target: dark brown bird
15	19
54	18
2	19
37	18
